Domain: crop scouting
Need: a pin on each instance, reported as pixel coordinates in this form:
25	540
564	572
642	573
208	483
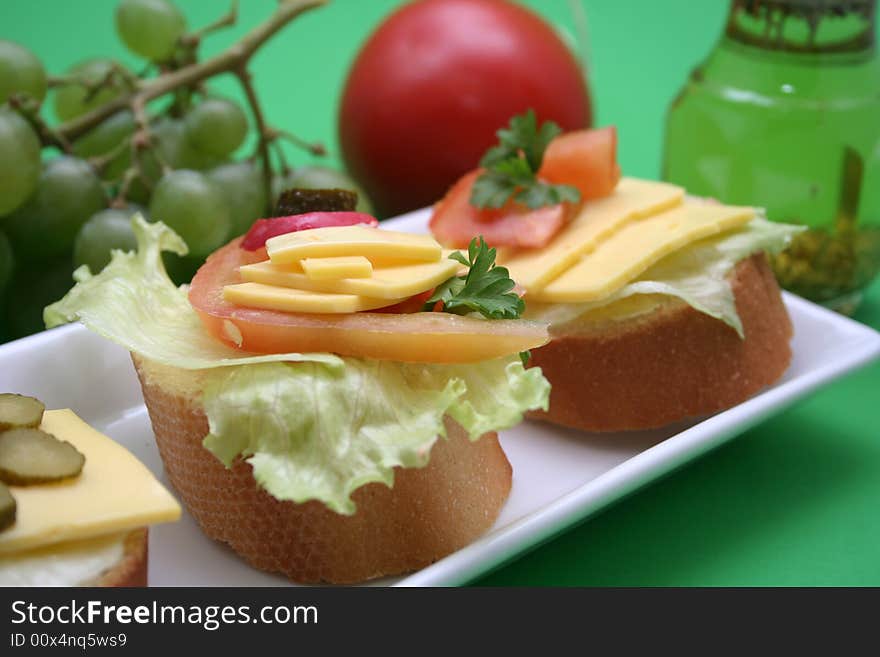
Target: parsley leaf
486	288
512	165
522	137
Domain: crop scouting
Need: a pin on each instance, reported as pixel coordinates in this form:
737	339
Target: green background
793	502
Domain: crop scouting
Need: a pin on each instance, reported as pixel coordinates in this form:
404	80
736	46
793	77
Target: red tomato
434	83
586	159
455	221
263	229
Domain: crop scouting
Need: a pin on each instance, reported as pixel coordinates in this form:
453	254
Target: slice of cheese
115	492
637	246
324	269
285	299
632	199
334	241
385	283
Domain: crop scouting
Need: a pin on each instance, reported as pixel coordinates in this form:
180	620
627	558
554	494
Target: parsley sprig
486	288
511	167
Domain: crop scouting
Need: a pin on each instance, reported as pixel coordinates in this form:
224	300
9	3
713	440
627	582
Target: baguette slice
132	568
670	364
429	513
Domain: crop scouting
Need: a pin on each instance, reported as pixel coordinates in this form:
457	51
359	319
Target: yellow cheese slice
385	283
322	269
334	241
637	246
632	199
285	299
115	492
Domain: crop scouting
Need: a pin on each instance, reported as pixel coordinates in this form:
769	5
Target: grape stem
244	77
316	148
193	39
28	109
231	60
101	162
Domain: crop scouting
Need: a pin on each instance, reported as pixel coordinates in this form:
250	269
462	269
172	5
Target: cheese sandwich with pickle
75	506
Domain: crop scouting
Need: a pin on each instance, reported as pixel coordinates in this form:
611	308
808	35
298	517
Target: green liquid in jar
785	114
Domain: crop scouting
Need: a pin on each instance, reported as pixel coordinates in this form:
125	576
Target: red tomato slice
425	337
586	159
455	221
263	229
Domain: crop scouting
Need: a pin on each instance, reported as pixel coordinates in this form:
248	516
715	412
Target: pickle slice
300	201
7	507
19	411
31	456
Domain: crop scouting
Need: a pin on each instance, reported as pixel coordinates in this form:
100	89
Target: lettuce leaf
133	303
313	432
697	275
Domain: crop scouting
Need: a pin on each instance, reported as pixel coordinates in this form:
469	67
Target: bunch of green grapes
62	210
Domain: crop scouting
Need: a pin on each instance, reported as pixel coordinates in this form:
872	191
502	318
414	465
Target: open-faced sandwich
75	506
298	388
661	306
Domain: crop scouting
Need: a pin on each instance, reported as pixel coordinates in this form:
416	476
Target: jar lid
846	25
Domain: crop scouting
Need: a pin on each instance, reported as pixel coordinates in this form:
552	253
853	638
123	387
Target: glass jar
785	114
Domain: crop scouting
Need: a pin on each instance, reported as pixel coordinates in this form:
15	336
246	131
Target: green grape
20	71
168	145
73	99
316	177
242	185
106	230
193	206
7	262
103	138
172	148
31	290
19	160
67	194
190	158
150	28
181	269
216	126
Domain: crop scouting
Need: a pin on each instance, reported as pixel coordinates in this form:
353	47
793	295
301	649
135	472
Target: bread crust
132	569
672	364
429	513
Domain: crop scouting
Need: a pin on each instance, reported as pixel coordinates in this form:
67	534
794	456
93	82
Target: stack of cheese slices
644	361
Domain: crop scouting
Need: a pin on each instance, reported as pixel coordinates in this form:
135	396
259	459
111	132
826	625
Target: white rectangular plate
560	476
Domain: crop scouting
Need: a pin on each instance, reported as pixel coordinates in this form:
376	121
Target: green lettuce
314	432
313	426
697	275
133	303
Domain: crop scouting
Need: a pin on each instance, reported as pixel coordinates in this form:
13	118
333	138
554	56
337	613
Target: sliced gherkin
300	201
17	411
31	456
7	508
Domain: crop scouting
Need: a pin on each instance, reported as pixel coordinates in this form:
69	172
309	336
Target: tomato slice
455	221
424	337
263	229
586	159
